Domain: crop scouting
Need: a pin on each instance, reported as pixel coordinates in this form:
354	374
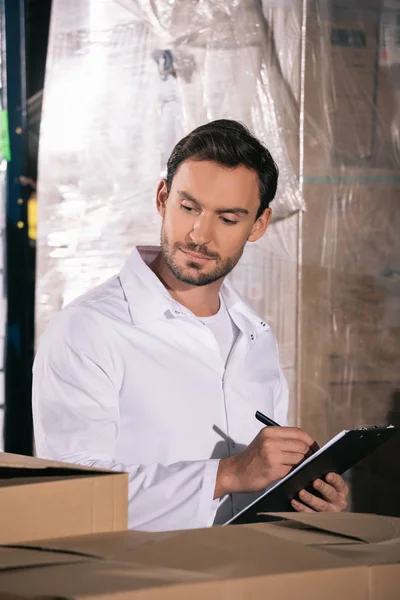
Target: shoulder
89	321
105	301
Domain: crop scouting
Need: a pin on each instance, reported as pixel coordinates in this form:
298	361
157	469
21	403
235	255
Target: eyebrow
219	211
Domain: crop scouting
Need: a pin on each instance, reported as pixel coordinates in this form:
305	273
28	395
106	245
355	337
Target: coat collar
148	299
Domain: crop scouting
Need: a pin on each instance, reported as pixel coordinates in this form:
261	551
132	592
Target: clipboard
338	455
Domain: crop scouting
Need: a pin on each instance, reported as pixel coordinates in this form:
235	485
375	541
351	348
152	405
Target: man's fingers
330	494
300	507
289	432
291	445
327	491
318	504
338	483
292	458
333	497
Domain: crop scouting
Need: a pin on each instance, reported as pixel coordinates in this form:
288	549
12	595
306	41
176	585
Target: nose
201	232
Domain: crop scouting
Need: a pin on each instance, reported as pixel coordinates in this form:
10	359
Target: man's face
208	217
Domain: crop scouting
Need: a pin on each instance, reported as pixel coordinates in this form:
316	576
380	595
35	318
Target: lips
198	256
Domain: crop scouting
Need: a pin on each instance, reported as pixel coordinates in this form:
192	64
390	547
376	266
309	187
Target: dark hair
230	144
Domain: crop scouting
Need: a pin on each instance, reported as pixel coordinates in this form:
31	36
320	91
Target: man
159	371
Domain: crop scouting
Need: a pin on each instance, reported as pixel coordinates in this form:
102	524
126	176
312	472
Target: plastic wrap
124	82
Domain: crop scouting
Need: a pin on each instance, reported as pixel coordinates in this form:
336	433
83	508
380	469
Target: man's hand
334	492
270	456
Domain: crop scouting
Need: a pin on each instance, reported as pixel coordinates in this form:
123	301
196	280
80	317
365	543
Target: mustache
198	249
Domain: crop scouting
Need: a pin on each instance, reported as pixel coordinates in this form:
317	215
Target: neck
203	301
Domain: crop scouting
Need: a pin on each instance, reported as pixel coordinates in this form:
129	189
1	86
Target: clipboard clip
374	427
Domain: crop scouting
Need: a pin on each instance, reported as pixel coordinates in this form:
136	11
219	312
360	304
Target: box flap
383	553
19	558
357	526
106	546
304	534
237	551
32	462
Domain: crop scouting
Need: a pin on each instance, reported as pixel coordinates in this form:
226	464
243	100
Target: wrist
226	477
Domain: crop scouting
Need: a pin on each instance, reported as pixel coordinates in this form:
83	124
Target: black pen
270	423
266	420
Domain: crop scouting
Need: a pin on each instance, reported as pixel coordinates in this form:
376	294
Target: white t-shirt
223	328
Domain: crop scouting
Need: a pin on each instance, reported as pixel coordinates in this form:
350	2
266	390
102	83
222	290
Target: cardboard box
342	316
47	499
350	343
350	101
354	47
300	556
332	284
350	309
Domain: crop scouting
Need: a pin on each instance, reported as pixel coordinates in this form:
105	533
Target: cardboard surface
292	557
47	499
120	580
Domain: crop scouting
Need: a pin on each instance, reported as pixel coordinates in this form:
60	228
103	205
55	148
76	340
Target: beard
192	273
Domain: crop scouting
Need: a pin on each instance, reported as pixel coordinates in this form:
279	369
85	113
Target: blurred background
94	95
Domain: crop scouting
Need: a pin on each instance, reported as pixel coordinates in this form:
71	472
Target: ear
260	226
162	197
